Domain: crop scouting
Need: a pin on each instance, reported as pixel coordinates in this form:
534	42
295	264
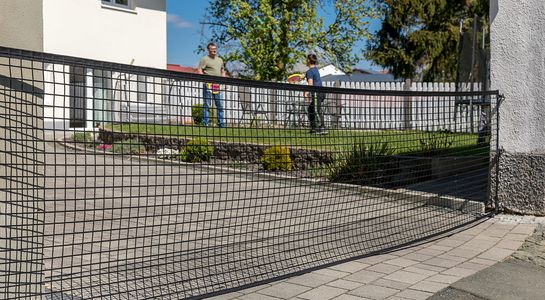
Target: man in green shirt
212	65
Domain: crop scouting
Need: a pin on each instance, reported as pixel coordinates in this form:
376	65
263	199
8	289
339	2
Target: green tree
270	36
420	38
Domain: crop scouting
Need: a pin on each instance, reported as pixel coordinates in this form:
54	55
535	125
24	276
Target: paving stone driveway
412	273
126	228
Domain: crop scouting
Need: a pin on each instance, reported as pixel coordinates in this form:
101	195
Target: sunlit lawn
401	141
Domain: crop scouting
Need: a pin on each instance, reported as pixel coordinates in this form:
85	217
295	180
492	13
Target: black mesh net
123	182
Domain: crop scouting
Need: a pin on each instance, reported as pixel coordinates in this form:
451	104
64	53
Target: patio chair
296	112
250	108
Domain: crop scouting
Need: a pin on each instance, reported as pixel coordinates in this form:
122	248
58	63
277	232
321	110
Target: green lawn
408	141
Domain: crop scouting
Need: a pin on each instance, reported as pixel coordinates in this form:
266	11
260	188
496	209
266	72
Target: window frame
142	88
111	3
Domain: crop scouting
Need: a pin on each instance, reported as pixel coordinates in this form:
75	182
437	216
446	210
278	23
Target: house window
78	98
119	3
142	88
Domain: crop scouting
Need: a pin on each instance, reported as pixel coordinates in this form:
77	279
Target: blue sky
184	32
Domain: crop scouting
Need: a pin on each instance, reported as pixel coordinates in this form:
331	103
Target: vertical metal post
458	86
338	107
472	73
274	106
499	100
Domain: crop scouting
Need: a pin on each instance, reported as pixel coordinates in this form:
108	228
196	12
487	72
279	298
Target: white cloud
178	22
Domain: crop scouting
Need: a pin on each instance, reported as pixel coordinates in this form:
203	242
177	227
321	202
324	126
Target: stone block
521	187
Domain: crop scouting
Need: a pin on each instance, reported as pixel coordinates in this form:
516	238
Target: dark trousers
315	112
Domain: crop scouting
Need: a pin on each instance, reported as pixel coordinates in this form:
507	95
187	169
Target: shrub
84	138
277	158
197	112
131	146
436	142
364	165
197	150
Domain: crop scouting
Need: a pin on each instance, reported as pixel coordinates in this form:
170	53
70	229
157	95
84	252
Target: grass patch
400	141
84	138
132	146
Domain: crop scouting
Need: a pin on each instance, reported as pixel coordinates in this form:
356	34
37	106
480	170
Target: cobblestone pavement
121	227
533	248
519	276
416	272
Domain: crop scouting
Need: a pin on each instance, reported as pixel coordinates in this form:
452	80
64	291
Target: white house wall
94	30
91	29
518	71
330	70
517	68
21	24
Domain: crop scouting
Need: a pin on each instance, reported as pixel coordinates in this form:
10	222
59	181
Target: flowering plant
104	147
165	153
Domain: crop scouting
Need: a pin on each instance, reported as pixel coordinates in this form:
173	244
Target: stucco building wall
21	24
91	29
518	72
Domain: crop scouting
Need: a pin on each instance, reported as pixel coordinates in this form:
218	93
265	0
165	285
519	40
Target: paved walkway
520	276
125	227
98	188
417	272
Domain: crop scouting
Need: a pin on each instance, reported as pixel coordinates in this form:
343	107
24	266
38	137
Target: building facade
518	72
120	31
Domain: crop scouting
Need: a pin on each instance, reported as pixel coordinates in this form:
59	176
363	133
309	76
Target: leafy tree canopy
270	36
420	38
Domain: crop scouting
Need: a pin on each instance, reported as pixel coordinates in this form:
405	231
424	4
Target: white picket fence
251	106
417	112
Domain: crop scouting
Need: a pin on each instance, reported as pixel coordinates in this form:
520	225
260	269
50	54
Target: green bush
364	164
85	138
277	158
131	146
82	137
436	142
197	150
197	112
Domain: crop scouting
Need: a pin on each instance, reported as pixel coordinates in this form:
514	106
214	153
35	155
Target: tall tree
270	36
420	38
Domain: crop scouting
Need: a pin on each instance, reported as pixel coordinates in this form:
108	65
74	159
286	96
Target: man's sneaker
313	131
322	131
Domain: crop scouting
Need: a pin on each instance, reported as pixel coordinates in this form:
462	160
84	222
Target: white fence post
345	110
337	109
407	106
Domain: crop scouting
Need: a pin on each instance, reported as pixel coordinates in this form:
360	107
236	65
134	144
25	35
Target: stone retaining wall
302	158
409	169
